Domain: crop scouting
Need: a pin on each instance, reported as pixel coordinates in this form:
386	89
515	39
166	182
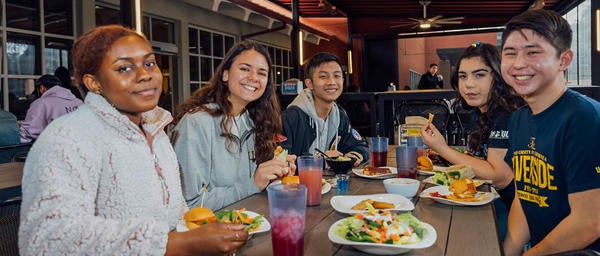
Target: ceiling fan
427	23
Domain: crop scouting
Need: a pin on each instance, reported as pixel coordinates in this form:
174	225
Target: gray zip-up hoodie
205	159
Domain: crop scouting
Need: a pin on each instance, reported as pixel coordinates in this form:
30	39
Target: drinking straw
203	193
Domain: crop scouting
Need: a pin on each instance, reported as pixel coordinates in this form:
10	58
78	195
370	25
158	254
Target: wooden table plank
10	180
11	174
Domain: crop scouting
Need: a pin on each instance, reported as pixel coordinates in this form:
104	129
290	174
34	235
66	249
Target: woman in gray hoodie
225	132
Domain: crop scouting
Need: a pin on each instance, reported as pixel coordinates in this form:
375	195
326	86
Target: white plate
477	182
264	226
324	188
443	190
344	204
384	249
425	172
359	172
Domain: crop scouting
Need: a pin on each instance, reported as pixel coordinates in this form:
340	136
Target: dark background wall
380	64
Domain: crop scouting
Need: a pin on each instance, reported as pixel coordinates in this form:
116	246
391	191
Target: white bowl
402	186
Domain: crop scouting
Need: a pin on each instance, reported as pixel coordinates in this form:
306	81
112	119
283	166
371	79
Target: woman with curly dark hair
225	132
482	89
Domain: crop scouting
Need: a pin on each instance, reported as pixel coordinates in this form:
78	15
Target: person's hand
209	239
268	171
291	160
432	137
353	155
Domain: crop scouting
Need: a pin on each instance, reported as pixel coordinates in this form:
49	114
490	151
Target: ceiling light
425	25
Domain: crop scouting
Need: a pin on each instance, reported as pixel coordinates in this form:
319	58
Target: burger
198	216
463	188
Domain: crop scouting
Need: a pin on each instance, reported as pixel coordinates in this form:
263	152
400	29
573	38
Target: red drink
379	159
311	178
287	233
407	173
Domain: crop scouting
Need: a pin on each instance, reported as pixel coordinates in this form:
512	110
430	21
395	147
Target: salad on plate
383	232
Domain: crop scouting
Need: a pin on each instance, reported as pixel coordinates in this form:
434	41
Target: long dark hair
264	112
502	98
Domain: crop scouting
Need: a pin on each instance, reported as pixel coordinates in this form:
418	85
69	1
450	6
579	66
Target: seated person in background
479	80
225	132
53	102
104	180
64	75
431	79
314	120
9	129
553	142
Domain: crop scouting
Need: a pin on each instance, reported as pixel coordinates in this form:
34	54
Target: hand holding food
269	171
211	239
199	216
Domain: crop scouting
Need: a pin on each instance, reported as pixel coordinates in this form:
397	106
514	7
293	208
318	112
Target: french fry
430	118
382	205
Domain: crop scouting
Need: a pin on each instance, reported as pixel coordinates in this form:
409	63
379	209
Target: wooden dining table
10	180
461	230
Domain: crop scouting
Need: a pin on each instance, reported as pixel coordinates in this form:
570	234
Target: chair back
440	111
12	153
9	227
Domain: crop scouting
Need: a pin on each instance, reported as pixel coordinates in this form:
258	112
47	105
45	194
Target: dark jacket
429	81
9	129
301	132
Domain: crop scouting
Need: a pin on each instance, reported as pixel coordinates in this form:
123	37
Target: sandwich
453	173
459	171
198	216
280	154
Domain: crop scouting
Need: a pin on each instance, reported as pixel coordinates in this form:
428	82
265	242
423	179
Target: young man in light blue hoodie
314	120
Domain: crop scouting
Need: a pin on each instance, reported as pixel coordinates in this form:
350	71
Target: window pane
18	92
23	14
229	42
193	40
279	75
277	58
57	54
23	53
218	45
106	16
58	17
216	63
205	43
286	58
146	27
194	69
205	69
163	31
194	87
